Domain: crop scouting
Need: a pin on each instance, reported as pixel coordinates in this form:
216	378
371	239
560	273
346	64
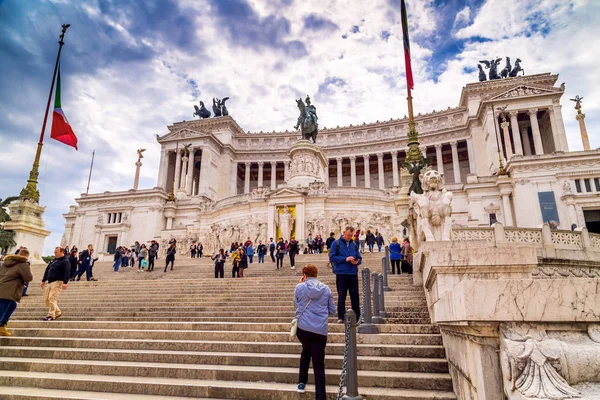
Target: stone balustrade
546	240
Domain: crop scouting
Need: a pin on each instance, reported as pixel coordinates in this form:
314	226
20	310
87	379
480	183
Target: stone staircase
184	334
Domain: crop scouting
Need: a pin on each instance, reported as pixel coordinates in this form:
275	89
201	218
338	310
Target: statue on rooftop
517	68
492	65
577	101
219	108
507	69
202	111
307	120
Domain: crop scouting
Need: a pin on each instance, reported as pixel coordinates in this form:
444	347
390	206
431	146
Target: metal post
352	372
385	267
367	326
382	312
376	317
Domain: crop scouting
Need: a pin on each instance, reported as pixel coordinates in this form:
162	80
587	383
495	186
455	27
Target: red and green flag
61	129
409	76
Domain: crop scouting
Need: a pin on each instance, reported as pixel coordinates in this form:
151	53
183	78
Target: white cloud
122	107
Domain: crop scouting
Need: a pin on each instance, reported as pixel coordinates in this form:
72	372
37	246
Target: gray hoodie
314	318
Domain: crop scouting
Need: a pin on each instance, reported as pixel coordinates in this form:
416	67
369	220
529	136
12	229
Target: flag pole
30	191
414	156
90	176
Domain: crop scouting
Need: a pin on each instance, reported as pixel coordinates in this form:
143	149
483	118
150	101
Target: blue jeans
7	307
84	268
371	247
117	265
250	258
261	258
379	247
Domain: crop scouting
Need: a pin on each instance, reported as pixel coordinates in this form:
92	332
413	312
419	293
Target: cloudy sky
130	68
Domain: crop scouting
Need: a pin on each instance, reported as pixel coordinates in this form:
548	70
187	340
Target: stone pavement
184	334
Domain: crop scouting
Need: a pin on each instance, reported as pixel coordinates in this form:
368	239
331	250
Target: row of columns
520	134
367	172
184	170
261	165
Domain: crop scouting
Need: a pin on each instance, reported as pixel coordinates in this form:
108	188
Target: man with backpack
345	258
272	249
152	253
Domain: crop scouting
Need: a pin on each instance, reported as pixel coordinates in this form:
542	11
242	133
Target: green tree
3	205
6	237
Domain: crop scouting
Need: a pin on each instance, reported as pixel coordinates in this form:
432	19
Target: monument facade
219	184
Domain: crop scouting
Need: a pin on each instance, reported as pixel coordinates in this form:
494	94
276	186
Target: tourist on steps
395	255
272	249
74	263
407	256
15	271
370	240
117	260
293	249
362	239
345	258
280	248
219	260
170	256
85	263
152	255
330	240
235	263
379	241
56	278
243	261
142	255
250	253
262	251
314	304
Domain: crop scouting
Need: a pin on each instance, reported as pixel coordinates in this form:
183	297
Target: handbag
294	327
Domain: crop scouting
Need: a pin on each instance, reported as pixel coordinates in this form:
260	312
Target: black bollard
376	317
352	368
385	267
367	326
382	312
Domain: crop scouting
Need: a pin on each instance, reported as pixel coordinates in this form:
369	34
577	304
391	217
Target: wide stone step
141	334
197	388
388	379
31	393
377	350
366	363
216	326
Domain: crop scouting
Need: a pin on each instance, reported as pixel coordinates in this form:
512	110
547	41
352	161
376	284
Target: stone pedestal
308	164
28	225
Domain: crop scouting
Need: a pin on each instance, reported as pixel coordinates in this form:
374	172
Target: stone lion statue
432	209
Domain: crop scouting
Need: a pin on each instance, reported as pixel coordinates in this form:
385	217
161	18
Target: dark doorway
112	244
592	220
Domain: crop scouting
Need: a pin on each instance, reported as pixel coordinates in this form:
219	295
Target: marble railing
229	201
537	237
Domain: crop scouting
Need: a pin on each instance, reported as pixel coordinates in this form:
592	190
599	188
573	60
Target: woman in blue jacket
395	255
314	304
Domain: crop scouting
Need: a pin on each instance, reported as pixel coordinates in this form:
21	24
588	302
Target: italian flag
409	76
61	129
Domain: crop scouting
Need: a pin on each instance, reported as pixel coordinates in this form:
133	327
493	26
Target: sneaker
301	388
94	279
293	268
340	321
48	318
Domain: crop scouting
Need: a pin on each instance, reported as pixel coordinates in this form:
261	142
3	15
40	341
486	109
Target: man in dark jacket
345	257
85	264
55	280
14	273
330	240
152	253
272	249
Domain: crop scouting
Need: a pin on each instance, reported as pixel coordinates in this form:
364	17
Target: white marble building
234	183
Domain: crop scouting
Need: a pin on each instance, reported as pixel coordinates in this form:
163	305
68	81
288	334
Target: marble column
164	169
439	158
380	171
423	151
340	176
526	141
555	135
247	178
471	155
204	173
260	173
177	171
560	125
286	170
273	175
395	175
190	172
184	164
353	171
507	145
535	129
136	180
585	140
455	163
367	171
516	135
508	218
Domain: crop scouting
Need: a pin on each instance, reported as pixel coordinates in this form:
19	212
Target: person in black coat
56	278
73	261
